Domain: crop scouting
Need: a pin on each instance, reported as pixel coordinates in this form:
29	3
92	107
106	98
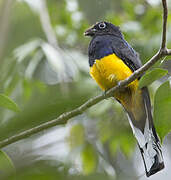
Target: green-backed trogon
111	60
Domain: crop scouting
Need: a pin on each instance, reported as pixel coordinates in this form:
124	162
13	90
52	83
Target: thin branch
63	118
168	52
165	14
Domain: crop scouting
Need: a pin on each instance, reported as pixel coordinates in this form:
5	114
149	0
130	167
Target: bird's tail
146	136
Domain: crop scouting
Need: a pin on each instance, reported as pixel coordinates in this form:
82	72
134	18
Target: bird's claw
119	83
104	93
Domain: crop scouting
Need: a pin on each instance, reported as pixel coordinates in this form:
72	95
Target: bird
111	60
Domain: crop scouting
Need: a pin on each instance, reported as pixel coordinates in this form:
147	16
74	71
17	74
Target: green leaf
89	159
7	103
127	144
6	165
77	136
151	76
124	142
162	109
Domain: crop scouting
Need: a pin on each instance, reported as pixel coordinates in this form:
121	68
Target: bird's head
103	28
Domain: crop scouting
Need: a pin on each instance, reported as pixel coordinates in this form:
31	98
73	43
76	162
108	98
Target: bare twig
63	118
168	52
165	14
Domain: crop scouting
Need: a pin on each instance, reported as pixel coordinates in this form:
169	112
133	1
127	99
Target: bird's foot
104	93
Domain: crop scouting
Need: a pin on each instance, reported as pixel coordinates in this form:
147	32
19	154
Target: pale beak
90	32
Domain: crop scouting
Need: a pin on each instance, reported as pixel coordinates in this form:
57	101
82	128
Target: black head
103	28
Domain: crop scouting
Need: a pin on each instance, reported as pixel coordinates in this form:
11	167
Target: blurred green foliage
151	76
46	79
6	165
6	102
162	104
89	159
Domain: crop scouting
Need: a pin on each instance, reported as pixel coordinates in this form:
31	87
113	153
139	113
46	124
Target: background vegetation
44	70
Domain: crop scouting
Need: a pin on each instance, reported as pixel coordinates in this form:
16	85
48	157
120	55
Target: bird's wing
125	52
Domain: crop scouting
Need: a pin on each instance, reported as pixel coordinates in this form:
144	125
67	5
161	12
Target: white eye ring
102	25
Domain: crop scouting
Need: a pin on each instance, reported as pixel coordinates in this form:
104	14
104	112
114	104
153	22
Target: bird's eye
102	25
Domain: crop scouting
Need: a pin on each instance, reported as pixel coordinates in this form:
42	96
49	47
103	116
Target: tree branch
168	52
63	118
165	14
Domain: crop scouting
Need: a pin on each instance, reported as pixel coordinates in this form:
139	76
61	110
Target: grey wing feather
124	51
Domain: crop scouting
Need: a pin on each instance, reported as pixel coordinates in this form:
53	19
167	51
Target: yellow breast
109	70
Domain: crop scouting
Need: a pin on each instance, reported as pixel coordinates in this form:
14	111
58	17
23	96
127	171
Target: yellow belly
109	70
